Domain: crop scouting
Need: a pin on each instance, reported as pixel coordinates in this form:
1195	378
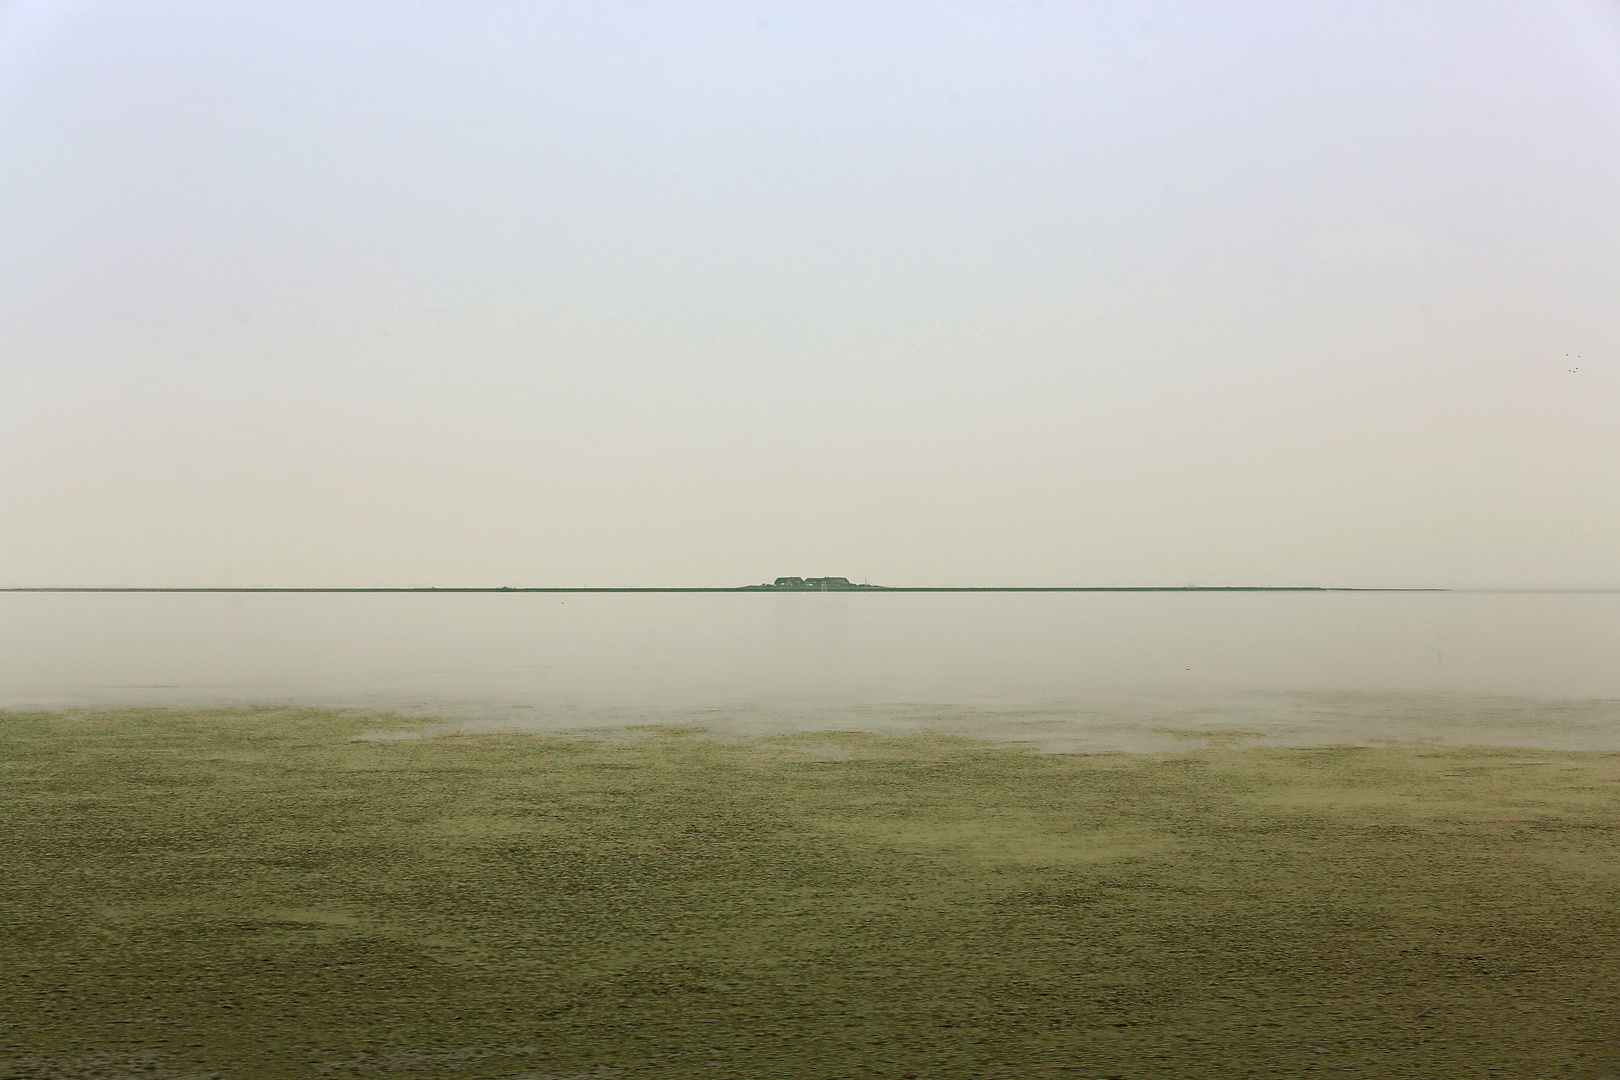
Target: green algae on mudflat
257	894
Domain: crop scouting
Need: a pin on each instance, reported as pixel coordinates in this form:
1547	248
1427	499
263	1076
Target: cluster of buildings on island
812	583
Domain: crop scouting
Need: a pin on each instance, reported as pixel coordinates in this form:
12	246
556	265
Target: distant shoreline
771	588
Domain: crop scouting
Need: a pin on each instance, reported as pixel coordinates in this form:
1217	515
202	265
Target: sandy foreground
258	894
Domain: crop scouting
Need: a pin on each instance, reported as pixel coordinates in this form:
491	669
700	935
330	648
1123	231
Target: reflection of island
812	583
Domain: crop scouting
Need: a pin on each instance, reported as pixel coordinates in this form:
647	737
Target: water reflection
1064	670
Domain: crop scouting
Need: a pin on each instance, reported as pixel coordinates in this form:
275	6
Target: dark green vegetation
252	894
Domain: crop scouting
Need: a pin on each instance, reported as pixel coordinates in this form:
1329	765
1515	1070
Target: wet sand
259	894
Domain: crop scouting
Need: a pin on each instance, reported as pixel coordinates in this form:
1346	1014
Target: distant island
811	583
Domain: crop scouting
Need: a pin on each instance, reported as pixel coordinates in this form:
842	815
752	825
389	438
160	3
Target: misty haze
583	541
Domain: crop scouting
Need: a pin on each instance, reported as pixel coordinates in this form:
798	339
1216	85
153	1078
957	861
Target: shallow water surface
1065	671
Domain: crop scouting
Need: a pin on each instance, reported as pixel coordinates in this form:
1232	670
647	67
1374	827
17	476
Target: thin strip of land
732	589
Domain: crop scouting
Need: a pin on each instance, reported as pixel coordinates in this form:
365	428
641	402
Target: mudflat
258	894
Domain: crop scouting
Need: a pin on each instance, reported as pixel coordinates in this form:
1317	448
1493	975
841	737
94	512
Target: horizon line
734	589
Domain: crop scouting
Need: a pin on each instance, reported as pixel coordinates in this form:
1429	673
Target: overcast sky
699	294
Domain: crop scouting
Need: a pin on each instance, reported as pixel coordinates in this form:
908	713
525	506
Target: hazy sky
687	294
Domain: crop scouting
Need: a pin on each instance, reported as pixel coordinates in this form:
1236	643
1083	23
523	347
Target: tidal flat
258	893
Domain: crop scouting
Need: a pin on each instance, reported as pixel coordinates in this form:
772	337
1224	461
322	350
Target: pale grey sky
692	294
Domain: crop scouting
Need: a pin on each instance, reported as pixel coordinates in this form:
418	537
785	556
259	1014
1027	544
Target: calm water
1065	671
